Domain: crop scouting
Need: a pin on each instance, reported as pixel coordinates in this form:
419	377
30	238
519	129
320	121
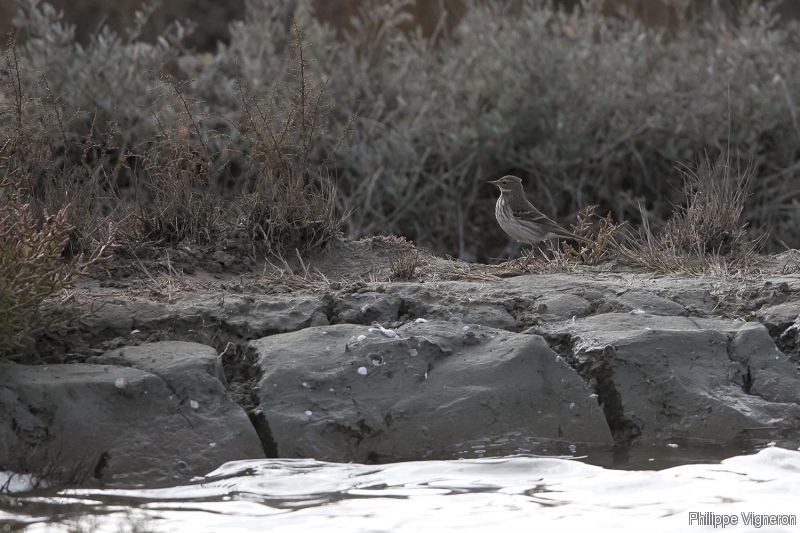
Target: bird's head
508	184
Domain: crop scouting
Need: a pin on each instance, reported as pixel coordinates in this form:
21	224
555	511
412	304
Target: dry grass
792	263
179	197
287	200
301	280
170	284
454	270
37	135
404	265
707	235
599	243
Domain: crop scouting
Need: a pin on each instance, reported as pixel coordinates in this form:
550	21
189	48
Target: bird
521	220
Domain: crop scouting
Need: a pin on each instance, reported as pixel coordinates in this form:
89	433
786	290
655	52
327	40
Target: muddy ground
375	351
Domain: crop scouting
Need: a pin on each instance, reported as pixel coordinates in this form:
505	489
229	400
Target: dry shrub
706	235
712	219
288	199
33	159
152	154
285	197
179	196
404	265
32	268
72	117
599	244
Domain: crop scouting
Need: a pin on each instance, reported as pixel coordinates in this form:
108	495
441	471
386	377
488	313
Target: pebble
120	383
193	404
362	370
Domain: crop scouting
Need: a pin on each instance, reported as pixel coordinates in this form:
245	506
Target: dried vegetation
706	234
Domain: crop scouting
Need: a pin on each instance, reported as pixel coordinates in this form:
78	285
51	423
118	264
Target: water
519	493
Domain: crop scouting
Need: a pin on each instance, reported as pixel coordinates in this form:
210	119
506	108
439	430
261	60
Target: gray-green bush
588	109
170	163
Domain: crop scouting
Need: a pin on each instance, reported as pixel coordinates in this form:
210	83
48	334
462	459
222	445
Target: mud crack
593	366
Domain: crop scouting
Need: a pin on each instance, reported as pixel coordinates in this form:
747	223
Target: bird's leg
529	256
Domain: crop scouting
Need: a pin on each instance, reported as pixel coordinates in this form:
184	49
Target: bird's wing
531	214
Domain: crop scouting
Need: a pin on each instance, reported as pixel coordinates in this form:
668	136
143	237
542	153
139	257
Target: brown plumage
520	219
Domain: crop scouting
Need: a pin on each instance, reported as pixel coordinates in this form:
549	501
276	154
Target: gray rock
771	375
112	320
245	316
650	303
658	375
430	391
779	317
783	323
490	314
443	304
709	380
164	416
559	306
319	319
698	302
367	308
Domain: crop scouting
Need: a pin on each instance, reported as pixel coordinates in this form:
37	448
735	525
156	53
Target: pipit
521	220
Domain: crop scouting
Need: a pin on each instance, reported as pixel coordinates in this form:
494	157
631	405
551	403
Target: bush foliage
588	109
32	269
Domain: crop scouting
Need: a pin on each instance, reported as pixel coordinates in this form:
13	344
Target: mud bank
156	388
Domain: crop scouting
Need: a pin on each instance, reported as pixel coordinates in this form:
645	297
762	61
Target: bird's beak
493	182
